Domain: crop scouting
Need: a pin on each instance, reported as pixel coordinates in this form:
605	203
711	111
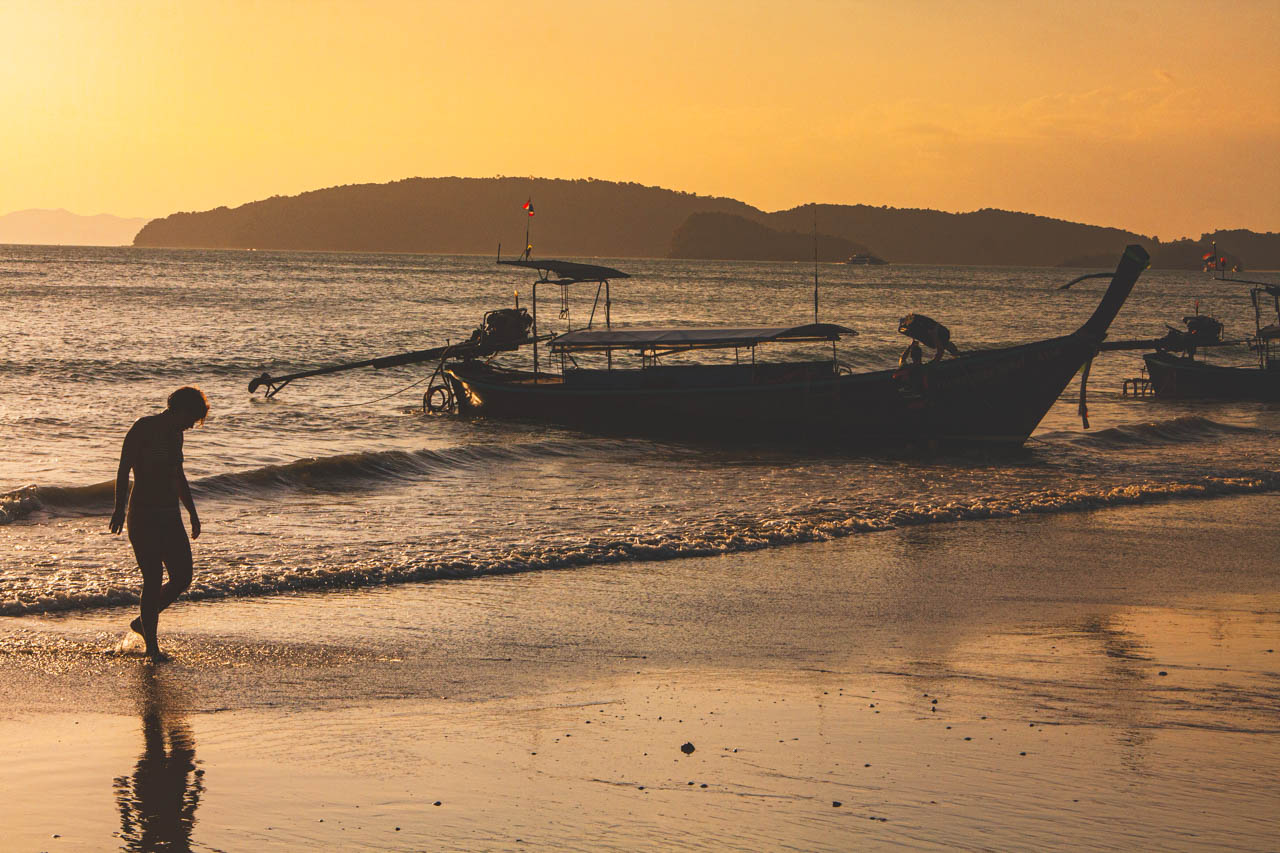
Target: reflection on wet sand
158	801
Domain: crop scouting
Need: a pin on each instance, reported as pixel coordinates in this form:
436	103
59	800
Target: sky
1158	117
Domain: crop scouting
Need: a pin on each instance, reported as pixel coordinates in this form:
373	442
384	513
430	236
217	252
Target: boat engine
1202	330
503	329
929	332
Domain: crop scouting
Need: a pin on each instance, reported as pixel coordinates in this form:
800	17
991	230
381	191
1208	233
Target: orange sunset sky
1159	117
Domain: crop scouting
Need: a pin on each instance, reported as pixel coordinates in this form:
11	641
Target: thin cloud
928	130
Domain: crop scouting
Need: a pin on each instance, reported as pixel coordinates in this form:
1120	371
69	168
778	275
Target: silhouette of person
153	452
911	355
158	801
909	371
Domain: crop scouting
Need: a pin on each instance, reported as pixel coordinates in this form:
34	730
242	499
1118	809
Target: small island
608	219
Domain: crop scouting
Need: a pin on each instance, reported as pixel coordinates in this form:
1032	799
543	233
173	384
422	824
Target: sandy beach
974	686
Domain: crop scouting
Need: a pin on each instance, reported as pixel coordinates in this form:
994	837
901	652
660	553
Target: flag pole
528	247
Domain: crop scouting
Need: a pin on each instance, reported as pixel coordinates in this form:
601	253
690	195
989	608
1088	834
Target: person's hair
192	400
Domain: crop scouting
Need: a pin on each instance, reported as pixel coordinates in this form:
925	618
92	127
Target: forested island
592	218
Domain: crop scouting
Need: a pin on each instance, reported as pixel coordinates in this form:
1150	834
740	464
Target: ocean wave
66	500
110	369
367	469
1180	430
252	580
327	474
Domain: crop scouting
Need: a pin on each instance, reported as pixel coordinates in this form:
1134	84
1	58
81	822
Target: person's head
190	406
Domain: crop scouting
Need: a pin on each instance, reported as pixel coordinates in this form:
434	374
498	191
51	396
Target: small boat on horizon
996	396
1174	371
865	259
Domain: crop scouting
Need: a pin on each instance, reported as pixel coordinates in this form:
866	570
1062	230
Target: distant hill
61	227
450	215
1255	251
590	218
912	236
724	235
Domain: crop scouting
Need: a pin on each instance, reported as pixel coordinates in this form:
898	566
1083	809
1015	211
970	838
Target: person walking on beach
153	452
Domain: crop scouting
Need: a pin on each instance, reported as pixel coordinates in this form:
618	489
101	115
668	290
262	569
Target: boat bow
1132	263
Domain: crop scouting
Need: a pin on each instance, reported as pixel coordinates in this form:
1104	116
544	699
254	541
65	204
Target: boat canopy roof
708	338
568	271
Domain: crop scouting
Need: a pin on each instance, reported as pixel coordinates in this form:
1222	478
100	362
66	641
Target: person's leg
147	548
177	560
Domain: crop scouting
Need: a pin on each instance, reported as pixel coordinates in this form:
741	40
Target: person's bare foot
157	656
136	627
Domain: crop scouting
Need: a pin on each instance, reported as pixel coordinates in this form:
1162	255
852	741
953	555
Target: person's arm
184	495
127	451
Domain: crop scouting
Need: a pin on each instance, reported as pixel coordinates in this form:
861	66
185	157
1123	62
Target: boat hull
1180	377
993	396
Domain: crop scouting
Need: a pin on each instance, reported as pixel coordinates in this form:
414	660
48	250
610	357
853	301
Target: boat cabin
586	355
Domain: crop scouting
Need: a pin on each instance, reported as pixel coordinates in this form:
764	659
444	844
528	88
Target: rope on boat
380	399
1084	384
443	388
445	405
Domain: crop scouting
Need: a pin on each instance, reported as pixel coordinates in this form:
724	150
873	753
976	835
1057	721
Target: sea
344	480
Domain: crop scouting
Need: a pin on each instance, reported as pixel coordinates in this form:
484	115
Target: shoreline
604	554
547	710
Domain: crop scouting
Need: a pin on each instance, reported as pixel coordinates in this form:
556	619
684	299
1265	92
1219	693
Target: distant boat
865	259
1221	263
1183	376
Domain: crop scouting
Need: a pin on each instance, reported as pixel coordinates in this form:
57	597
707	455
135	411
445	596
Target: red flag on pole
528	205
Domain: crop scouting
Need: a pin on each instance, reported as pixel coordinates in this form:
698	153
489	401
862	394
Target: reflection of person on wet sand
158	802
153	451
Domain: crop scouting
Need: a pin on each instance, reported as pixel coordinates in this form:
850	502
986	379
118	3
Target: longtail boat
1174	371
1184	376
988	396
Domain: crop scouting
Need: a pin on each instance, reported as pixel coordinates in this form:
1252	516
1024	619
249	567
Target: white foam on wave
253	580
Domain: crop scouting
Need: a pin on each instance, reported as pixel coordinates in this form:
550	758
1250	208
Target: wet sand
1103	680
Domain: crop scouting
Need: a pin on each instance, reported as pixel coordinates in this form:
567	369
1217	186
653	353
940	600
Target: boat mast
815	262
